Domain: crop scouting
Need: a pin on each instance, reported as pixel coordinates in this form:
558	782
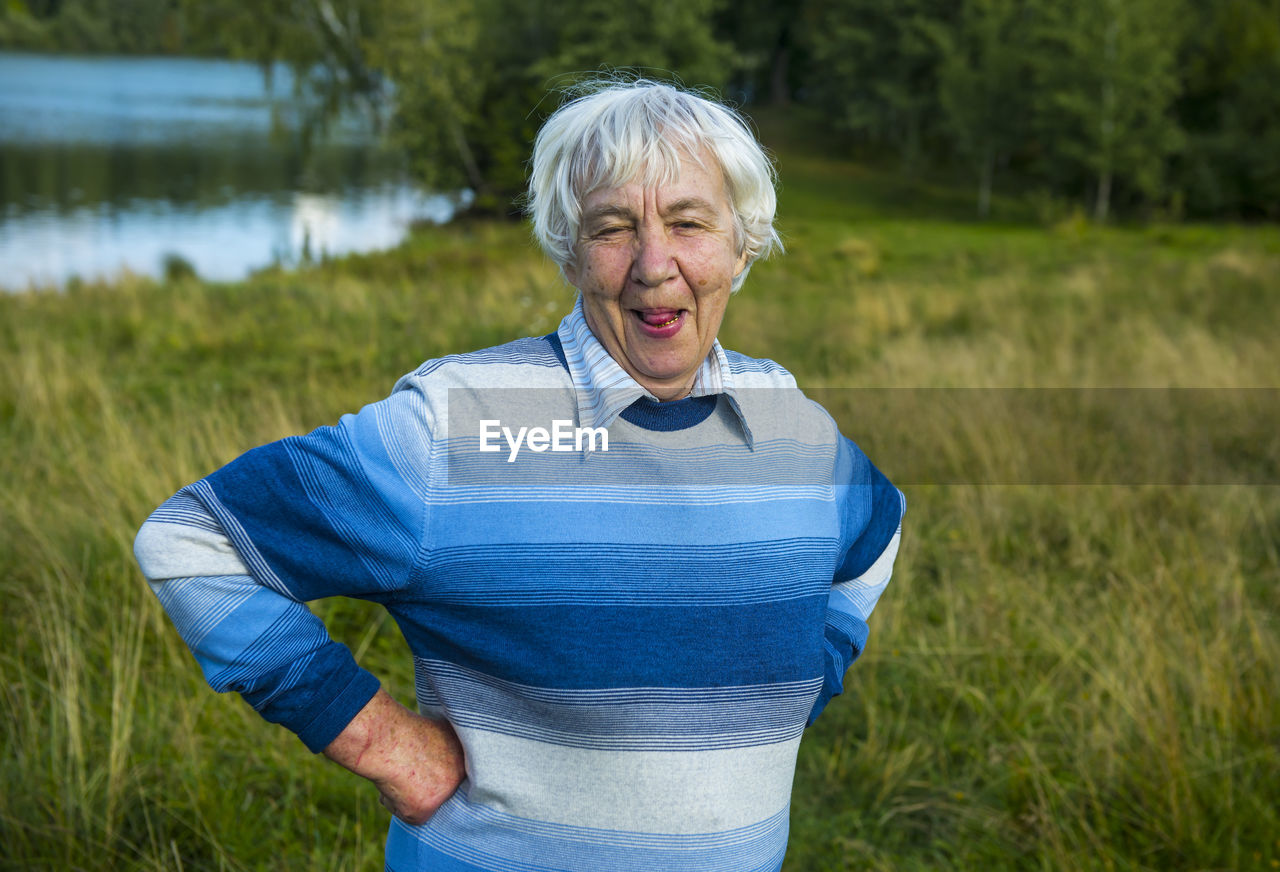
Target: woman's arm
248	637
415	762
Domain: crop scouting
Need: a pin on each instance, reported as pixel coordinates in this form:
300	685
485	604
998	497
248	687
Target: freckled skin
668	248
417	763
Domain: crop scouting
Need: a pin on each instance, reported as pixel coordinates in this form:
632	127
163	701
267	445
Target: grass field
1060	677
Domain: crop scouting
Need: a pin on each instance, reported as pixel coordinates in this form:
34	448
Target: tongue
659	316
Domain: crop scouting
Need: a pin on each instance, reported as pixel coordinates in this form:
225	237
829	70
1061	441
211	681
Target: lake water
112	164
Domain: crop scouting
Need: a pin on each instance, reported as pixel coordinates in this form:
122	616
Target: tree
1230	103
875	69
429	54
115	26
768	51
1106	79
463	82
663	38
982	84
470	81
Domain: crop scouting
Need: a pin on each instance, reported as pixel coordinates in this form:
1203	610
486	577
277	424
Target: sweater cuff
844	637
334	717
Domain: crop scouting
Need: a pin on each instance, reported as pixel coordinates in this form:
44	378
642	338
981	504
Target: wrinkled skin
655	267
415	762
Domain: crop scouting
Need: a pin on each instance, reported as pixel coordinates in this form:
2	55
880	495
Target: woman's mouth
660	323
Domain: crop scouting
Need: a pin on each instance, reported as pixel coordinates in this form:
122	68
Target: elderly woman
631	565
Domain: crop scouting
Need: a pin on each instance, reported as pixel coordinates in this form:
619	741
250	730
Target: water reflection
222	242
109	164
136	100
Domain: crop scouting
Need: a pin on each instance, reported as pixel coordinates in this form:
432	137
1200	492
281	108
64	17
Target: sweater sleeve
233	557
871	525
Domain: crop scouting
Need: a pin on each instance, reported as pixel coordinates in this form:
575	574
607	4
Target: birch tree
983	85
1107	79
463	83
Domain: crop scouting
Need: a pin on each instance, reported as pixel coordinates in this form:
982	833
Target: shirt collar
604	389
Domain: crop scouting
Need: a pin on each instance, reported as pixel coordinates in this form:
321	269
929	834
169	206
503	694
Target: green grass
1058	678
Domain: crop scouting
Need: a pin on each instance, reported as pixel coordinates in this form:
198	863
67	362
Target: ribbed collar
604	388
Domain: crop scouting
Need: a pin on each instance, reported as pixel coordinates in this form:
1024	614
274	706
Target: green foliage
1107	80
20	29
984	63
520	51
95	26
671	38
769	56
432	51
465	85
1231	65
1147	106
1165	106
875	69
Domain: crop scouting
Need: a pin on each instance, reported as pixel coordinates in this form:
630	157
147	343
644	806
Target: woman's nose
654	260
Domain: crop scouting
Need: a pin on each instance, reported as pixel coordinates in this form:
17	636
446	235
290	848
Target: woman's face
655	267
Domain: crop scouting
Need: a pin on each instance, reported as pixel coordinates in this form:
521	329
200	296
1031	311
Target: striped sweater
628	637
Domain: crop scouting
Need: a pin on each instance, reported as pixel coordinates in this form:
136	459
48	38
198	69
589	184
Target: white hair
622	132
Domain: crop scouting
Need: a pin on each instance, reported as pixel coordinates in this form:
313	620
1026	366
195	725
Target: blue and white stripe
629	645
470	836
619	719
